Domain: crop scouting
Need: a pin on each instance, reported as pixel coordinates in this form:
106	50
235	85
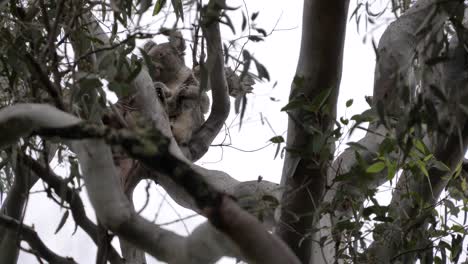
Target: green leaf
366	116
90	83
294	104
144	6
120	89
178	9
388	145
318	101
349	102
422	167
261	31
345	225
244	22
228	22
428	157
464	185
135	72
356	146
62	221
441	166
420	146
344	121
255	38
457	244
376	167
254	15
277	139
391	170
278	147
247	60
262	71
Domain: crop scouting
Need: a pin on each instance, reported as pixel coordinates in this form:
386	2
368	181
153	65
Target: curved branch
20	120
259	197
202	139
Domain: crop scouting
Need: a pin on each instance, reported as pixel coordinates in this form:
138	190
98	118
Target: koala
177	87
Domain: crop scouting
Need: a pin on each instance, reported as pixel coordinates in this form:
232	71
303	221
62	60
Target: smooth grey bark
304	173
220	107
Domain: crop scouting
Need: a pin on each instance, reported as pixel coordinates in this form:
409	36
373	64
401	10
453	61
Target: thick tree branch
114	210
20	120
219	209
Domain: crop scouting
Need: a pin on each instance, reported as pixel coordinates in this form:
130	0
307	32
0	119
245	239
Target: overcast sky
279	54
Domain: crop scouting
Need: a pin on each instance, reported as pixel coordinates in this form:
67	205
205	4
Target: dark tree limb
28	234
72	197
13	207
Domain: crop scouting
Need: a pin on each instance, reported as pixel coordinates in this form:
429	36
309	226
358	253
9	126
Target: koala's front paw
162	91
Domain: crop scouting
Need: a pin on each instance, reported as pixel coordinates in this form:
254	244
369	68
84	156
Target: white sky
279	54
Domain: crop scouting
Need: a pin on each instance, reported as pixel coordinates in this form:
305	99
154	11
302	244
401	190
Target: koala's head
168	58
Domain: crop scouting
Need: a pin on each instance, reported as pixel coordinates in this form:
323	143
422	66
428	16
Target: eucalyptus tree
57	58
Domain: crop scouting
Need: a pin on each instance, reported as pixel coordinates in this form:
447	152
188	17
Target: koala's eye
157	56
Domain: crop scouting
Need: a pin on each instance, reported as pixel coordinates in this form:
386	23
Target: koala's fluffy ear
177	40
149	45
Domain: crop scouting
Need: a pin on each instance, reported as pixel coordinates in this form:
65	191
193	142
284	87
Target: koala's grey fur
178	87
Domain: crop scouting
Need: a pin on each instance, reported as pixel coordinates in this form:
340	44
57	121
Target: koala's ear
149	45
177	40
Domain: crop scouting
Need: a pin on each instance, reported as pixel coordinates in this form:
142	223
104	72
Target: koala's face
168	58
